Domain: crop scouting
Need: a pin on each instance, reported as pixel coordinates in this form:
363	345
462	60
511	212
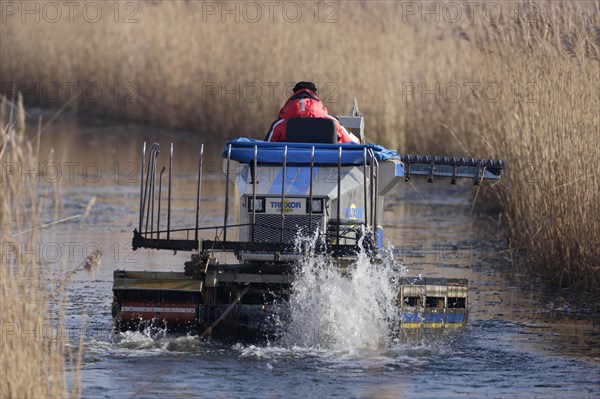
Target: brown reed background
35	352
522	87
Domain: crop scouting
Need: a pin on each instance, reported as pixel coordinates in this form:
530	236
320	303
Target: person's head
305	85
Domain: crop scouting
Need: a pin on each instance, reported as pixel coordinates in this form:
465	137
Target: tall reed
549	133
34	347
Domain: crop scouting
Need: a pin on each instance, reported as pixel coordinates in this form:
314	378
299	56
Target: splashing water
343	309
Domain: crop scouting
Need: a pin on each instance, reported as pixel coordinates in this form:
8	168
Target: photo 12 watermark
69	253
326	12
31	331
444	252
70	172
262	92
463	12
55	93
468	92
54	12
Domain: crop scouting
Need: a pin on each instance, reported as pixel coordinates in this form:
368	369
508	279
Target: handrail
200	164
376	199
148	200
339	193
371	186
190	229
140	241
226	195
254	167
162	171
149	178
152	190
283	177
169	195
365	186
310	189
147	183
142	186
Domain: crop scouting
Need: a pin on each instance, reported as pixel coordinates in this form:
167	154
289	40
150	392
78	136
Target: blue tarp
242	150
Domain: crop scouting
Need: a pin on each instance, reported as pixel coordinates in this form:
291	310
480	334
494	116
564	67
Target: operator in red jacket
304	103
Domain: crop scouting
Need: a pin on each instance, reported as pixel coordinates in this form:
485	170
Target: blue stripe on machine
455	317
399	170
297	181
411	317
433	317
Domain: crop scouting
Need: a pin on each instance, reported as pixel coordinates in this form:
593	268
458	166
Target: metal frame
283	177
162	171
254	167
339	195
226	195
149	237
310	189
200	162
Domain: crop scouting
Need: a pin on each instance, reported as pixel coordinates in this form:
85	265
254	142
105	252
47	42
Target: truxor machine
308	185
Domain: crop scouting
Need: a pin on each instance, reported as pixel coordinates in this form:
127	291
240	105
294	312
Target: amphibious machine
275	194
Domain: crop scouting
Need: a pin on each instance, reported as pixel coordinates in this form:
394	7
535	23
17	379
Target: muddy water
521	341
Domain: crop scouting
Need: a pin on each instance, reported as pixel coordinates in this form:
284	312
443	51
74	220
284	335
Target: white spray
342	309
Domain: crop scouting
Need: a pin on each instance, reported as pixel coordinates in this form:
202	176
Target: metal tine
310	188
169	195
148	195
339	194
365	186
376	185
454	172
152	199
480	174
226	195
254	192
283	191
200	162
162	171
431	173
142	187
145	196
371	184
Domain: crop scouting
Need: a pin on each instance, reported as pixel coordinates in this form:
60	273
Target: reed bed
425	82
549	134
34	349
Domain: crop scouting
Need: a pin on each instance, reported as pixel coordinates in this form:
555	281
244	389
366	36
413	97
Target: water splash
348	309
149	341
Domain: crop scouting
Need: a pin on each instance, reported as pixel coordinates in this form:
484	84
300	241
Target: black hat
305	85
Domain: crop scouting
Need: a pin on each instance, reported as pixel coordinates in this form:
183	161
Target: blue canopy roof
242	150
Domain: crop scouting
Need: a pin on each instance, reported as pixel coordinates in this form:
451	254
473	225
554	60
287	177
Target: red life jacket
303	104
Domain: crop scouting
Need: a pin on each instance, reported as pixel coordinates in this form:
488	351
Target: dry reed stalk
551	191
34	349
